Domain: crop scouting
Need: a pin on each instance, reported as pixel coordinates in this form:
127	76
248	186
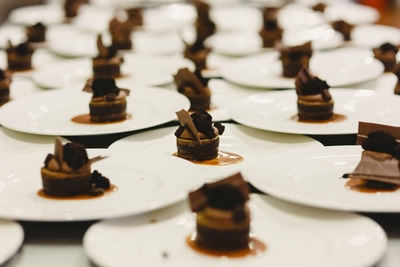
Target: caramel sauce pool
255	247
112	189
359	185
335	118
85	119
224	158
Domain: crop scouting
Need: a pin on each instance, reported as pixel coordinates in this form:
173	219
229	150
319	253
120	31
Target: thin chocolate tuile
197	200
186	121
58	150
365	128
184	77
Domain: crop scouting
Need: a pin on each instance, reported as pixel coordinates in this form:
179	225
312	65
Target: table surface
60	244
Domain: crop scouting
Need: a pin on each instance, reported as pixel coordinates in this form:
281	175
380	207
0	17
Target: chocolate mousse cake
223	219
294	58
197	53
135	16
5	81
36	33
396	71
197	137
108	103
344	28
386	53
194	87
19	57
107	63
121	34
314	102
270	32
67	173
379	166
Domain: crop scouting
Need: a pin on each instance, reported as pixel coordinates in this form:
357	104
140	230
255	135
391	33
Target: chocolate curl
58	150
103	51
186	121
365	128
184	77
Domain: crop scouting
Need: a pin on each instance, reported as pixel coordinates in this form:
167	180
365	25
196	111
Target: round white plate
236	17
137	69
290	233
47	14
69	42
247	142
296	16
12	237
273	111
346	11
374	35
141	187
345	66
313	177
247	43
50	113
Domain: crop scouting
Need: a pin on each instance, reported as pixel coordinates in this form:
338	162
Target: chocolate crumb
100	181
75	155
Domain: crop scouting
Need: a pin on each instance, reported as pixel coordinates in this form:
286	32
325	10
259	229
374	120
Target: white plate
313	177
50	113
345	66
273	111
69	42
247	142
47	14
295	16
12	237
247	43
345	11
141	187
374	35
137	69
236	17
14	33
294	236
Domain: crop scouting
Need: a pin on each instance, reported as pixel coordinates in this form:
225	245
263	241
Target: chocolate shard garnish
58	150
365	128
186	121
103	50
184	77
225	194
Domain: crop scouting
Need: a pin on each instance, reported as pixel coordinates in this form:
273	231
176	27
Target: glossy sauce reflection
85	119
335	118
224	158
255	247
361	185
112	189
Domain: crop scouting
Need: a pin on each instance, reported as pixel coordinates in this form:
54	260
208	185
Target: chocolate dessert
396	71
270	32
19	57
108	102
344	28
67	173
386	53
194	87
379	166
197	138
223	219
121	34
314	102
295	58
107	63
71	7
197	53
5	81
319	7
36	33
205	27
135	16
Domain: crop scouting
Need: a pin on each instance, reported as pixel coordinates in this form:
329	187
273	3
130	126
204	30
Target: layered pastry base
223	219
194	87
121	34
386	53
5	81
107	63
314	102
19	57
271	32
295	58
108	103
197	138
344	28
36	33
67	172
379	167
396	71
